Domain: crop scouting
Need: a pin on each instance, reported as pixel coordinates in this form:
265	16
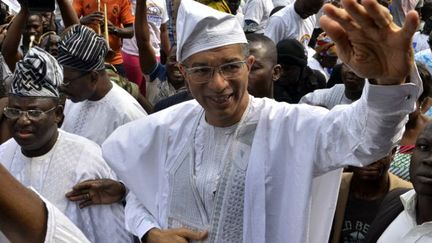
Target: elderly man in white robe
228	167
50	160
96	106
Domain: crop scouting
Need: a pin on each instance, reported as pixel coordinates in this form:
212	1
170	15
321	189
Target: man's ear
250	60
276	72
182	69
94	77
59	114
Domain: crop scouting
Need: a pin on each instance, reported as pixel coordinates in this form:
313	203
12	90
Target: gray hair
245	52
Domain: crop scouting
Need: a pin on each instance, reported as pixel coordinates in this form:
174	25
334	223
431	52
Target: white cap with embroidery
200	28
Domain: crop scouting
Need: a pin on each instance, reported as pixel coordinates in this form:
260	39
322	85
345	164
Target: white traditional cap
201	28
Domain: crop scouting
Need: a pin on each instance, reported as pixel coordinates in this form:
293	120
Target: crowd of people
216	121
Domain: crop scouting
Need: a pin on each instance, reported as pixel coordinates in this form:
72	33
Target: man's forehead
217	55
34	18
67	69
46	14
29	101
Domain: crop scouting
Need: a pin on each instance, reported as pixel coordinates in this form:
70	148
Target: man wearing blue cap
48	159
96	106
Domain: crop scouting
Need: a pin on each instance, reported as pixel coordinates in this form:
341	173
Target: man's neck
44	149
423	209
104	86
177	86
352	95
369	189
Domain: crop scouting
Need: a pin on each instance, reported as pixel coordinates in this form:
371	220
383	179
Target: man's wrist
396	79
125	191
116	31
150	234
82	21
390	81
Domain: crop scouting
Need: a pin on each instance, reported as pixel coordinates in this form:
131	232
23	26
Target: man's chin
24	141
177	81
75	100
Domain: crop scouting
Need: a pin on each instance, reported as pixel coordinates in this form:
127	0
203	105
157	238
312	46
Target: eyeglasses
69	81
203	74
14	113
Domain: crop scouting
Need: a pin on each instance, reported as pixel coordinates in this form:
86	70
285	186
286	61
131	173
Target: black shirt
358	217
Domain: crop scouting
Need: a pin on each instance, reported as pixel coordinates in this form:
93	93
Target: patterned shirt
401	162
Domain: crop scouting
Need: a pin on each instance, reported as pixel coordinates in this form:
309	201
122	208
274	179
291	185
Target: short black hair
267	42
37	15
291	52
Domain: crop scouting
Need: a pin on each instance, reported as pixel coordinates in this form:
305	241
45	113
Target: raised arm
142	34
68	13
23	216
165	43
369	41
12	39
375	48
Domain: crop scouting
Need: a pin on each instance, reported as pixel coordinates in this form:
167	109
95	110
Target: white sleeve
308	99
59	228
138	218
321	97
366	130
165	16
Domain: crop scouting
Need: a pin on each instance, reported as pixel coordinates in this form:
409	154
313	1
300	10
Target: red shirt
119	13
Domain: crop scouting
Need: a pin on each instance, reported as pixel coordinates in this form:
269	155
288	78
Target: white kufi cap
201	28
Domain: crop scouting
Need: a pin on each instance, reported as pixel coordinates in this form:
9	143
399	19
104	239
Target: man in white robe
96	106
228	167
50	160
